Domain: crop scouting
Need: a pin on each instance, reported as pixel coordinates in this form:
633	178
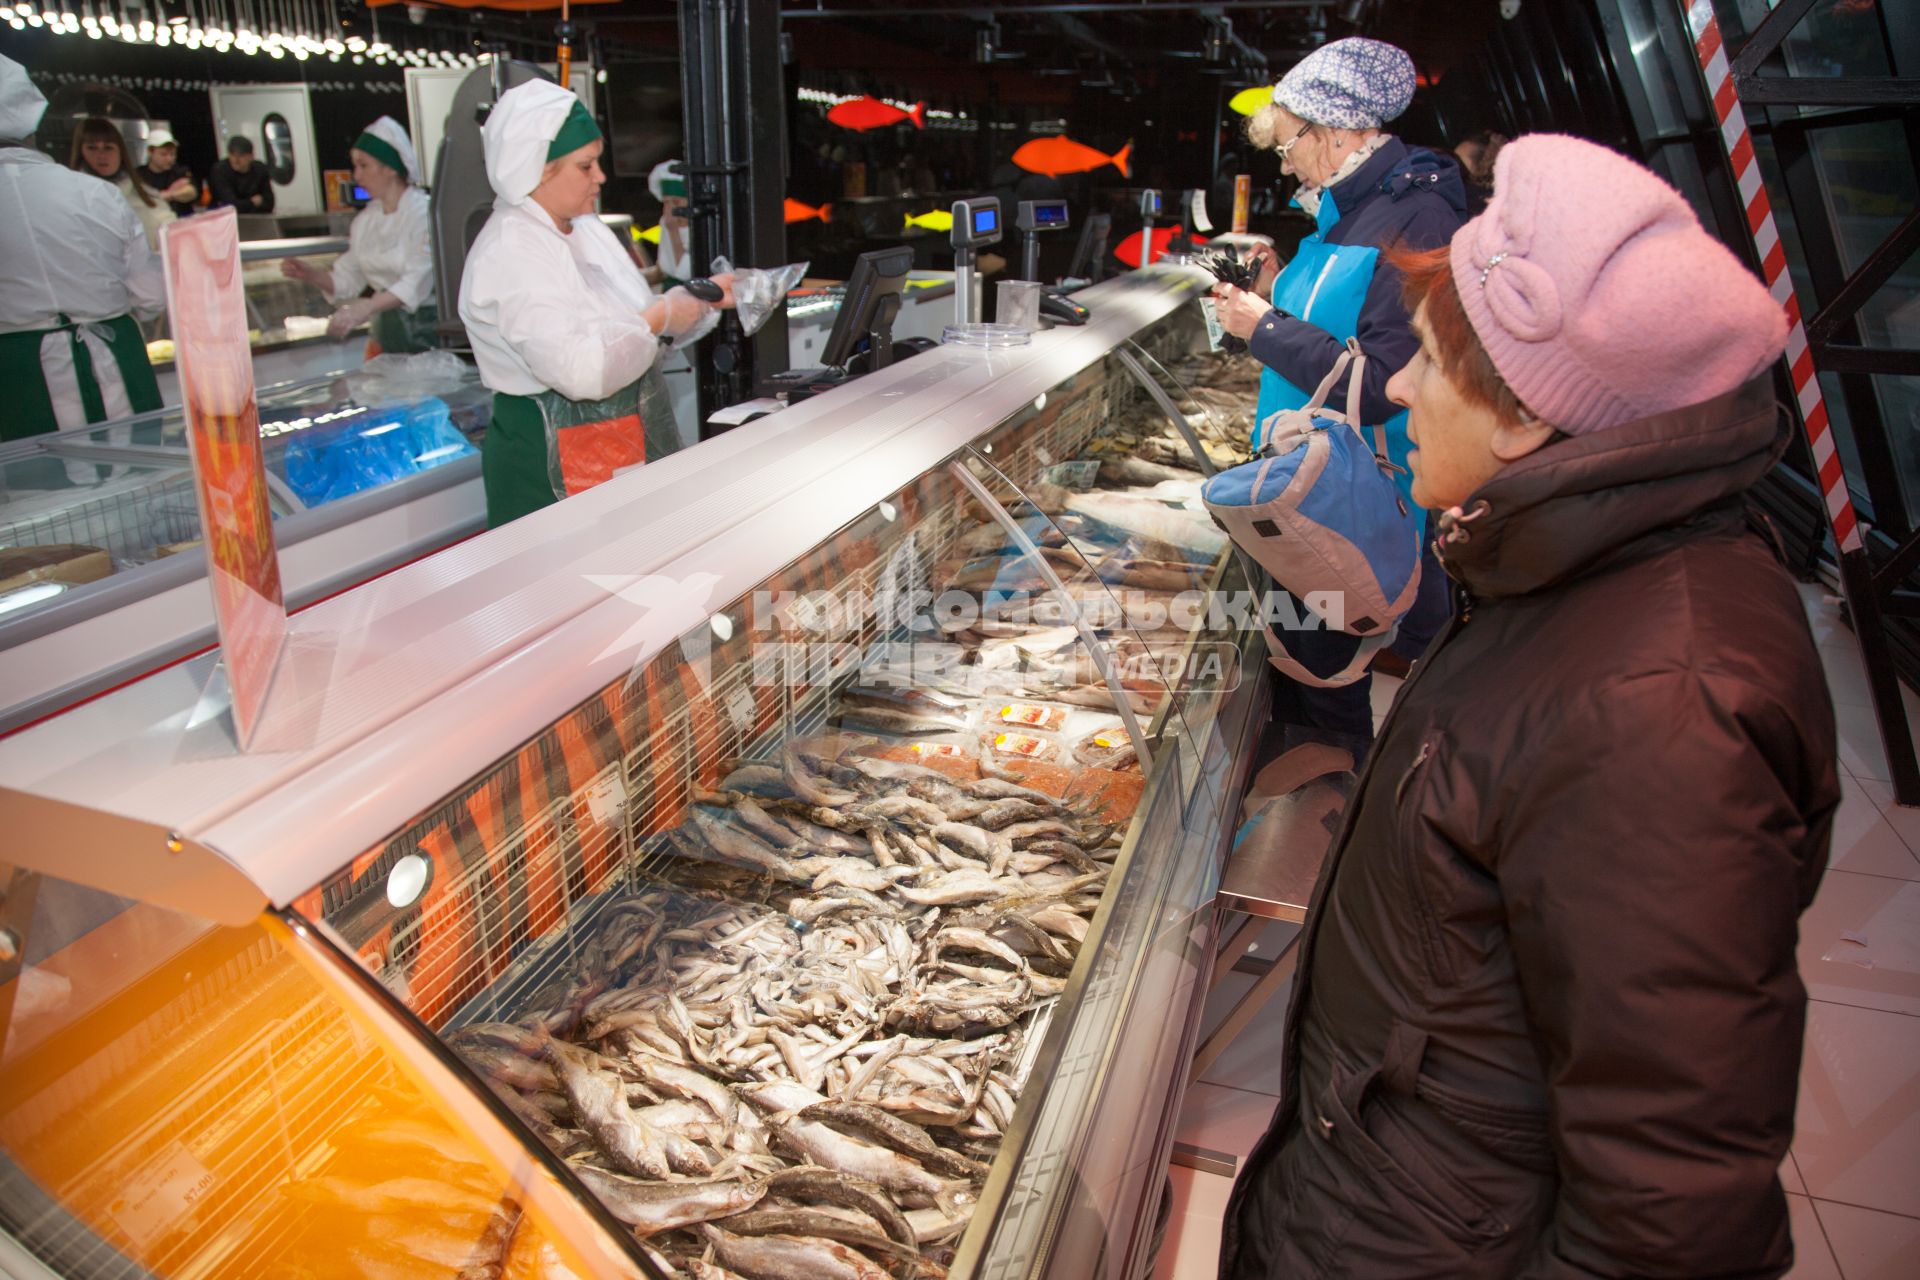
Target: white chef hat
21	105
519	133
386	141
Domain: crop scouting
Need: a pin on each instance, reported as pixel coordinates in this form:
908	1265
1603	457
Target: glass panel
179	1099
1868	181
1116	485
1654	66
71	512
803	858
281	313
1832	40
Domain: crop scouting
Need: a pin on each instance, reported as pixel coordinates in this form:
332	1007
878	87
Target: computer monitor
1090	255
872	302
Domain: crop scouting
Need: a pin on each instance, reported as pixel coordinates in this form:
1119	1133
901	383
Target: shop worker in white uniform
564	328
389	249
75	275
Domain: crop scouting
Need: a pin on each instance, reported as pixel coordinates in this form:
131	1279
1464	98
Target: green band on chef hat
576	133
382	150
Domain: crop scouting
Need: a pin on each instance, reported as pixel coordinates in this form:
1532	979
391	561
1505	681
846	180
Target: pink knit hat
1598	294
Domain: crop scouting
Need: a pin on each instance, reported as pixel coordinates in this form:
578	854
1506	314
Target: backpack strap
1354	380
1353	407
1306	412
1326	386
1362	657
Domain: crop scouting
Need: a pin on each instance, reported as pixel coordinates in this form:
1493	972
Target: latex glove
1266	259
349	317
725	281
677	313
1240	310
297	269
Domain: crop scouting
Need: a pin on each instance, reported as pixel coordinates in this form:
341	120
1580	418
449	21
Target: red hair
1427	277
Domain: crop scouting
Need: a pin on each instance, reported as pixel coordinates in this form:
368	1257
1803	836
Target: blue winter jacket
1405	196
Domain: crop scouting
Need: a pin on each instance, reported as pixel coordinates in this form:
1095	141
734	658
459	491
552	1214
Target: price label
606	796
741	709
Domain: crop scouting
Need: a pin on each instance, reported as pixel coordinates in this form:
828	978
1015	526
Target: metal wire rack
130	517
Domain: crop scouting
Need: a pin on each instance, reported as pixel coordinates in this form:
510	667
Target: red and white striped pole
1773	265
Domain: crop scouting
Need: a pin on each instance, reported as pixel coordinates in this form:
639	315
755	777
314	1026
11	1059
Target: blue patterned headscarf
1354	83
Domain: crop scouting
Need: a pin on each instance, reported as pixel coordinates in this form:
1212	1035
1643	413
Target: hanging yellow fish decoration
939	220
651	235
1248	101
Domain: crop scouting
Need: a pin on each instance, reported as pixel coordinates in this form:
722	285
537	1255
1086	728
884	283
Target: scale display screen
976	222
1049	215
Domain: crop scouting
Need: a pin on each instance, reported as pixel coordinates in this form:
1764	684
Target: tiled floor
1853	1179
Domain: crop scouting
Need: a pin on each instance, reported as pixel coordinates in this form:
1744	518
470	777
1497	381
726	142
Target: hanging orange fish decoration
1061	154
1128	250
797	212
862	114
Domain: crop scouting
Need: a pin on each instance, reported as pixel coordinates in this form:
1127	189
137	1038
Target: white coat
390	251
547	311
69	244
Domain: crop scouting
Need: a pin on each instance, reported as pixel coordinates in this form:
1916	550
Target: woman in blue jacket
1366	191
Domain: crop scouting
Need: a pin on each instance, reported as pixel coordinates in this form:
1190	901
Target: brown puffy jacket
1547	1022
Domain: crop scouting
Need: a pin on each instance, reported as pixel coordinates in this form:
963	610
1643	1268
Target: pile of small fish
813	1085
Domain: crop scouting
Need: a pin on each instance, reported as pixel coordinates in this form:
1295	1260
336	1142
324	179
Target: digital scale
1149	211
976	224
1034	217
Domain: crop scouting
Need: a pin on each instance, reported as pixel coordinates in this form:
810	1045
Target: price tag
1215	331
606	796
164	1198
741	709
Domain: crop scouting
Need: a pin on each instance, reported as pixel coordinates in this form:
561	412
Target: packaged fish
1073	475
1105	747
1032	715
953	749
1028	746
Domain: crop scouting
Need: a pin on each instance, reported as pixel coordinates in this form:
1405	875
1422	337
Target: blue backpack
1318	509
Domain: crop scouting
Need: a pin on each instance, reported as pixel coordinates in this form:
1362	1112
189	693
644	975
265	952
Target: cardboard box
61	562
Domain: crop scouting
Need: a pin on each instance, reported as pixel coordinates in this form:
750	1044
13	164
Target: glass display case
97	519
281	313
839	912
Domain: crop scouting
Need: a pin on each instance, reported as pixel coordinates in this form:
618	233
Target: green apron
28	407
541	448
403	332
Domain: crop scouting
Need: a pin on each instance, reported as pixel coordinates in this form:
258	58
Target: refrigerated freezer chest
713	895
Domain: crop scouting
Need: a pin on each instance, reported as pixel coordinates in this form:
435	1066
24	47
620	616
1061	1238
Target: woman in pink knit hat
1547	1022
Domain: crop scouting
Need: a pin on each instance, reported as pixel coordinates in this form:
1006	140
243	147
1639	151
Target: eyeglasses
1294	141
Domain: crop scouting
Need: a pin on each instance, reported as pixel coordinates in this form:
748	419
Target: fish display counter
794	858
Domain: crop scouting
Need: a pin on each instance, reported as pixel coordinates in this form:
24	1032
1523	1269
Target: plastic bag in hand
681	304
759	291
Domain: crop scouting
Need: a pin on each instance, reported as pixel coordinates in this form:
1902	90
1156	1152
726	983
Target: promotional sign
1242	202
208	312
